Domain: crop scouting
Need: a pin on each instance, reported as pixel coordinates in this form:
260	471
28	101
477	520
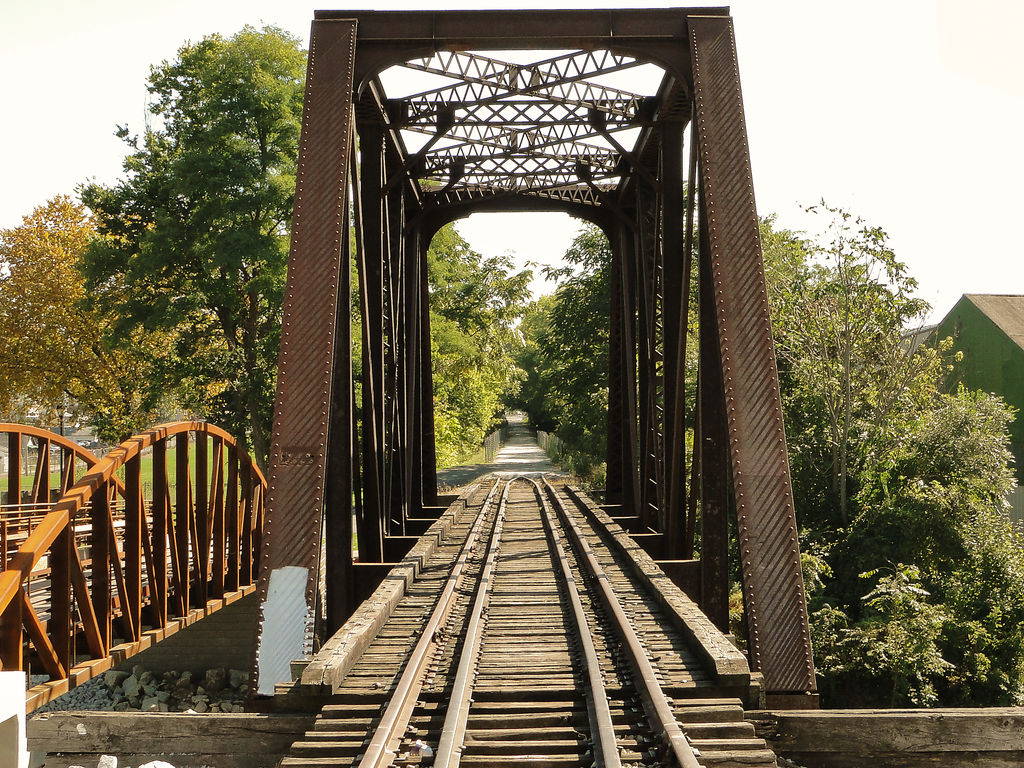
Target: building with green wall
989	330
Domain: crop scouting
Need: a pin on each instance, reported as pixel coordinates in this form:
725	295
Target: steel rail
606	752
383	745
453	733
655	703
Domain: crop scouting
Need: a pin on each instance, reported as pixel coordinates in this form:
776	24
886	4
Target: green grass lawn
146	467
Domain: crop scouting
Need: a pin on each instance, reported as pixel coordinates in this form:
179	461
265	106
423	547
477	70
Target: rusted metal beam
625	245
215	527
44	648
396	349
776	612
675	327
298	454
133	513
690	531
100	556
533	29
616	457
370	253
341	455
14	440
161	514
411	295
11	623
180	523
648	370
714	454
232	520
428	456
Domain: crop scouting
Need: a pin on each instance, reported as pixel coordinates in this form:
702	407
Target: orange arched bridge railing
102	557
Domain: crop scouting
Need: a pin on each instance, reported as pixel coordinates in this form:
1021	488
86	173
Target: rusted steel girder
341	485
121	585
776	612
618	489
650	378
302	417
675	326
624	260
540	135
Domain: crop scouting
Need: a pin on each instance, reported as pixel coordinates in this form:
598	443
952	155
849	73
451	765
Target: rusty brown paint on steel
766	521
426	386
158	549
711	439
134	509
102	610
615	461
298	452
542	162
675	322
648	350
341	595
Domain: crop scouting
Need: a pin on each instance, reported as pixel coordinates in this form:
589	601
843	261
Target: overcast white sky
908	113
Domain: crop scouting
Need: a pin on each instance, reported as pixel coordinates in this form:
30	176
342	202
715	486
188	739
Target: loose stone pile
218	690
110	761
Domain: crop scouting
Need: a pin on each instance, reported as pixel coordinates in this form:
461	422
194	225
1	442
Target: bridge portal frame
330	465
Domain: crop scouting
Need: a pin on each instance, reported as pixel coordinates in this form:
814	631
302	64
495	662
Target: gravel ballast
217	690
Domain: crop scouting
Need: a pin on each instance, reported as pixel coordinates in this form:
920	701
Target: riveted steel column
648	285
371	291
714	455
428	451
390	260
340	585
411	492
690	529
623	248
298	453
766	521
675	329
395	350
615	449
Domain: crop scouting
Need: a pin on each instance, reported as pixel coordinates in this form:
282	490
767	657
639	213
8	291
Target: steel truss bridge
520	110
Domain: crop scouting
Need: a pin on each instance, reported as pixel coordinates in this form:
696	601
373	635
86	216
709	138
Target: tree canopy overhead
474	303
196	236
565	354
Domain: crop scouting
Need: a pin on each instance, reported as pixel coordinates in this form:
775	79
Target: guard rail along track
526	629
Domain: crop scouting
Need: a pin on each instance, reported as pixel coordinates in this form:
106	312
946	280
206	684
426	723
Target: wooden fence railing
551	444
162	530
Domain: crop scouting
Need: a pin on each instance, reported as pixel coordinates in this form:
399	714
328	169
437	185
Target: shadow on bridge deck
519	455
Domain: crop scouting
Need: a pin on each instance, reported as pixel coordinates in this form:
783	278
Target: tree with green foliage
845	362
891	656
937	499
474	304
565	354
46	335
915	573
56	356
532	396
195	237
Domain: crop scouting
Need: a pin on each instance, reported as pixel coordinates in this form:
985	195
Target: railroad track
527	640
